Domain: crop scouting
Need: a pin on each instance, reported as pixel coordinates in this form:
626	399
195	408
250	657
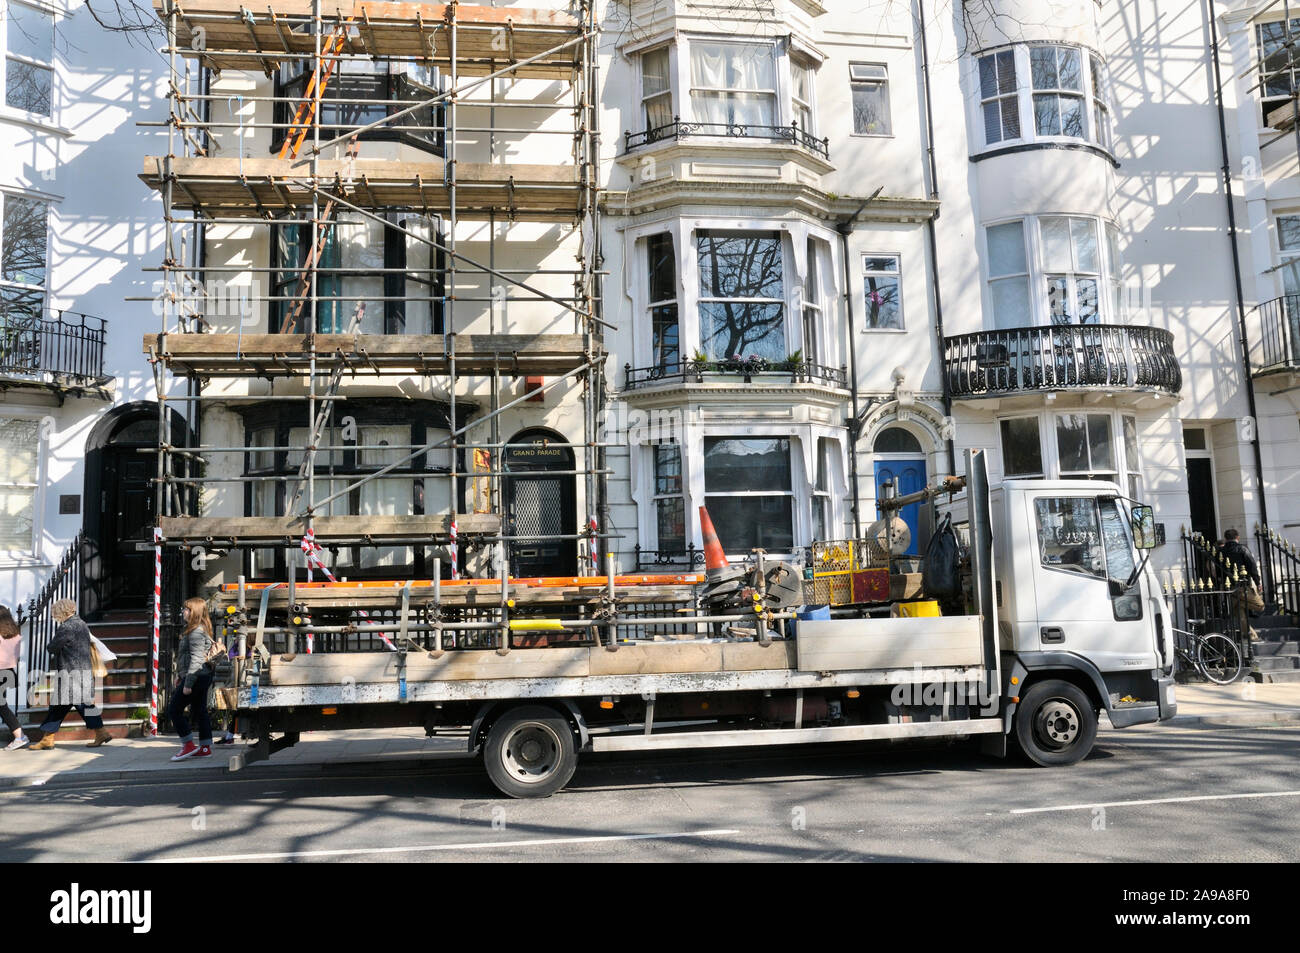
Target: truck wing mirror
1144	527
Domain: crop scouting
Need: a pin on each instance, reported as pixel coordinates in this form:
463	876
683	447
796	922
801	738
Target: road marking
494	845
1154	800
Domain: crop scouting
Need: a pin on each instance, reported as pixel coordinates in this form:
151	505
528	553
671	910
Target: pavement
1242	705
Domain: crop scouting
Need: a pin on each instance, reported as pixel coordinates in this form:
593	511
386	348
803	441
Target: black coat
70	647
1239	555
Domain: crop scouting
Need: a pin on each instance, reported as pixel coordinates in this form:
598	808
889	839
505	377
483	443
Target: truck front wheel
1056	723
529	752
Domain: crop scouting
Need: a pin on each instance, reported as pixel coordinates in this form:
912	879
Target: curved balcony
62	352
1086	357
750	371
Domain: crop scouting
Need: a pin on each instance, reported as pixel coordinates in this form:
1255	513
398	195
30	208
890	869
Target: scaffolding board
229	34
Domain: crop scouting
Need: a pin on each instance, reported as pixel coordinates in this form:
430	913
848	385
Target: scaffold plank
231	34
281	355
277	529
235	187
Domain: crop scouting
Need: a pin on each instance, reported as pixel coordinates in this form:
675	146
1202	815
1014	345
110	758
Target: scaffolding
321	164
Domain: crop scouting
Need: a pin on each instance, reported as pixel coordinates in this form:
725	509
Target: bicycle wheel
1218	658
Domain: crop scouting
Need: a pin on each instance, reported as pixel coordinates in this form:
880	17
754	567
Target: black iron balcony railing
689	558
751	370
678	130
1279	334
67	348
1062	357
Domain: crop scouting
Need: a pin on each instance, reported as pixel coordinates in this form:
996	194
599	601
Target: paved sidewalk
1243	705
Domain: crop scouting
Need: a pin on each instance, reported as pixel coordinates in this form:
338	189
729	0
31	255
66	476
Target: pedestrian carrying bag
942	573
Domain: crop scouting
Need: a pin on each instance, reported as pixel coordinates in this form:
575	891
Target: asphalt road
1152	794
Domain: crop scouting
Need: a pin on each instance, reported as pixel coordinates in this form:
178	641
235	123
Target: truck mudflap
1110	687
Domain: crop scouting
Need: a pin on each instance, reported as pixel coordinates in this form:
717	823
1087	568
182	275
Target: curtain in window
734	83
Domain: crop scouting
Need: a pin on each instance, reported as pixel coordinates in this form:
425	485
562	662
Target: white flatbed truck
1064	619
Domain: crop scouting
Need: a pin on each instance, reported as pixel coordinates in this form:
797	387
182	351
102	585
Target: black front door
540	504
126	521
1200	487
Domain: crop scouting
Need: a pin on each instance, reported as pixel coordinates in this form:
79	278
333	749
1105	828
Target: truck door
1081	540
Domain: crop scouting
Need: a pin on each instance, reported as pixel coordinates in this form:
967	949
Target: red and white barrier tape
455	552
157	626
313	551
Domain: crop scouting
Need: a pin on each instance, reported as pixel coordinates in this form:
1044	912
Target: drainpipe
933	184
845	229
1236	263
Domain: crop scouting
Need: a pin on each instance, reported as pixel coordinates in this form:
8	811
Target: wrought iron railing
751	370
67	347
1055	357
1279	570
689	558
1279	334
35	620
678	130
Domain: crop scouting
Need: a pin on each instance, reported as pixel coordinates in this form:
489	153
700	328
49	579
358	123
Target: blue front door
908	476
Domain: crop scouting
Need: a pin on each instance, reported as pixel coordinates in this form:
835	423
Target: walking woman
11	647
73	678
193	679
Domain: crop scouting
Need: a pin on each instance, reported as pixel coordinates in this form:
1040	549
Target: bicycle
1215	656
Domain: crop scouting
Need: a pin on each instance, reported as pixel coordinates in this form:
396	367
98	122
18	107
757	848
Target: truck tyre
1056	723
529	752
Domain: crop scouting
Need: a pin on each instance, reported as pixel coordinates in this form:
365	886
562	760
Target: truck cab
1079	607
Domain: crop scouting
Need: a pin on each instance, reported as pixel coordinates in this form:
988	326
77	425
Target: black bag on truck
942	573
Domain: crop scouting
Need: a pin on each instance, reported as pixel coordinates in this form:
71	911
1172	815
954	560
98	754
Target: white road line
489	845
1154	800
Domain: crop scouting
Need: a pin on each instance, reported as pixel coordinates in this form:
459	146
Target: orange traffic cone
714	556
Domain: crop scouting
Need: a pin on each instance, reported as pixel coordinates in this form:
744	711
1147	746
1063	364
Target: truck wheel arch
488	712
1067	667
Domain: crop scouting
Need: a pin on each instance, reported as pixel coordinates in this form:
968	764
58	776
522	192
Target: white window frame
1050	450
1092	471
674	109
650	307
1042	448
1269	103
863	74
778	107
796	61
1288	259
1000	97
1093	92
902	314
1061	92
32	554
5	197
656	497
797	482
49	65
787	273
1109	299
813	313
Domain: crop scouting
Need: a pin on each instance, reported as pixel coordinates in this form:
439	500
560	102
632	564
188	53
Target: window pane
664	335
1006	72
668	469
1072	442
663	268
1119	560
1042	67
1086	305
1099	440
1056	243
654	72
746	330
992	122
1047	115
1069	69
1011	118
1288	232
1022	452
1071	116
746	464
1059	304
22	255
31	32
17	509
1130	443
896	440
1194	438
27	87
988	76
748	522
1011	303
871	109
670	520
740	266
882	299
19	446
1069	536
1007	249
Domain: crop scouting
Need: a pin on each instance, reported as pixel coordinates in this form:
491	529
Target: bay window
1085	447
1029	93
733	83
1054	269
742	295
1075	445
20	444
749	493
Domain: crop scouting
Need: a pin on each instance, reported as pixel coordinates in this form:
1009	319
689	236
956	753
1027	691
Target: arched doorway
540	500
119	492
899	459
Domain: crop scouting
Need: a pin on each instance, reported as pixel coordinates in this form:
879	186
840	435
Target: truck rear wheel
1056	723
529	752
